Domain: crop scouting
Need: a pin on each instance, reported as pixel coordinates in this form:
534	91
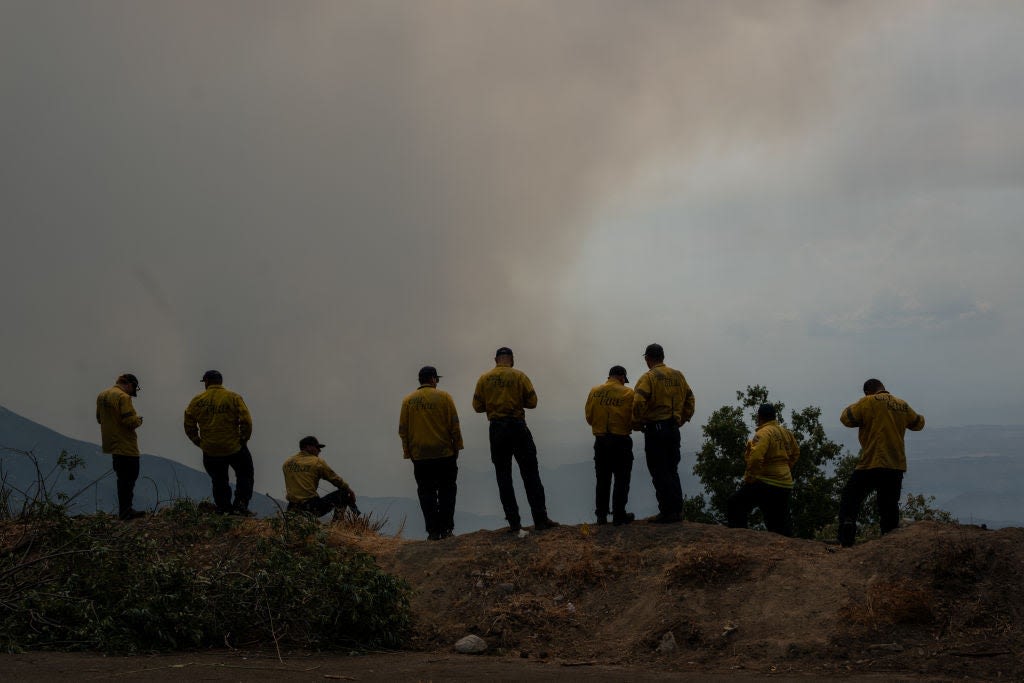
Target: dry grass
889	602
707	567
583	564
363	533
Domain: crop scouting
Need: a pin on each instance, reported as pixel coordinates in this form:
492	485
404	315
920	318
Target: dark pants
773	502
661	446
217	467
512	439
321	505
436	488
887	484
126	467
613	457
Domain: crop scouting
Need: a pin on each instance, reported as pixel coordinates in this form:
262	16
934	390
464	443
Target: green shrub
184	579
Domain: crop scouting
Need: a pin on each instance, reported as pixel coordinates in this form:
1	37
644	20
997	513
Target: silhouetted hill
974	472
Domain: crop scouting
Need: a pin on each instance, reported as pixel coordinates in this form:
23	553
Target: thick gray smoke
319	197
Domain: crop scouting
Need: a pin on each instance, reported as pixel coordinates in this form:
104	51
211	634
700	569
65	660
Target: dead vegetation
929	598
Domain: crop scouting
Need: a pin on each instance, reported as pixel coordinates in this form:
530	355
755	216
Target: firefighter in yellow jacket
302	474
218	422
882	420
503	393
429	428
609	412
118	421
662	403
768	480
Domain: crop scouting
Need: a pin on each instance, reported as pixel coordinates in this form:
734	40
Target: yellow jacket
504	392
770	456
218	421
883	420
429	425
302	475
118	422
662	393
609	409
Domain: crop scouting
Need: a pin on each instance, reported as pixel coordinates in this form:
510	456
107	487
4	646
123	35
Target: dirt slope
930	599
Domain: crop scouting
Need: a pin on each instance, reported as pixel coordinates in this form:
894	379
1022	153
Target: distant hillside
975	472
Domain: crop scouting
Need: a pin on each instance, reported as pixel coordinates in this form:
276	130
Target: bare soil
927	602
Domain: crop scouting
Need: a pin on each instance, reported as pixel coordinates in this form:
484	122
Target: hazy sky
317	198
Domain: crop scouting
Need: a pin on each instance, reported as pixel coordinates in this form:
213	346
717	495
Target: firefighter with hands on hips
428	425
218	422
503	393
768	480
662	403
609	412
882	421
302	474
118	421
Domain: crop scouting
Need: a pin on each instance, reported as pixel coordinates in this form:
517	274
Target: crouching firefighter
302	474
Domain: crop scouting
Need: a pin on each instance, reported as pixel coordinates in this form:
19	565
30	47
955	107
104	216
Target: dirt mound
928	599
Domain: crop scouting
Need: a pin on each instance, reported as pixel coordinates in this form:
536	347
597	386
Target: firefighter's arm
479	405
403	429
588	409
529	395
756	449
849	416
129	418
191	426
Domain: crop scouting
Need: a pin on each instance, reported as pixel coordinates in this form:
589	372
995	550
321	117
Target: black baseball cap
212	376
428	372
618	370
311	441
128	378
654	351
503	351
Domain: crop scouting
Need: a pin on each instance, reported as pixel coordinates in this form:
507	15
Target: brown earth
929	601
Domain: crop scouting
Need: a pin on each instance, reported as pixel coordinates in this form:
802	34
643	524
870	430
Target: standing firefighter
768	480
662	404
302	474
503	393
609	412
882	420
218	422
118	422
429	428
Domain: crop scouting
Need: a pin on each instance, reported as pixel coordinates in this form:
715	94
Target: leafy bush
183	579
818	476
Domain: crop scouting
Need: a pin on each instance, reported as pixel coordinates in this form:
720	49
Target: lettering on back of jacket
894	404
604	399
205	405
419	403
668	380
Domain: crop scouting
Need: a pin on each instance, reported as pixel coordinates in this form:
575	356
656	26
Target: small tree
818	476
720	464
